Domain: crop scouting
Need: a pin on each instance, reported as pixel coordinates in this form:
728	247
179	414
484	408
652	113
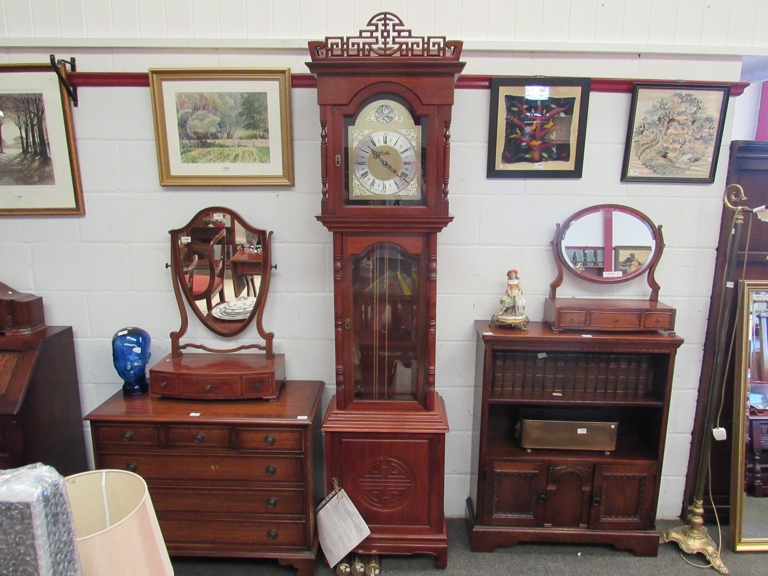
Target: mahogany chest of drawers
227	478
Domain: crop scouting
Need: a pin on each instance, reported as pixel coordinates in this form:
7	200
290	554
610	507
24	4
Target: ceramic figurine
512	313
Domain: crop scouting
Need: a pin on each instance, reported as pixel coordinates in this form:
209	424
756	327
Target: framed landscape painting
223	127
39	171
674	133
537	127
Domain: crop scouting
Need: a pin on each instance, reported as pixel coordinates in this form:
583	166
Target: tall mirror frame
181	238
749	497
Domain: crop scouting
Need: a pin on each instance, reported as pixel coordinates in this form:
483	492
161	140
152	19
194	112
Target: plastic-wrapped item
37	534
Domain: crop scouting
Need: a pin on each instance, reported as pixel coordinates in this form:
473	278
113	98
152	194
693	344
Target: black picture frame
674	133
560	152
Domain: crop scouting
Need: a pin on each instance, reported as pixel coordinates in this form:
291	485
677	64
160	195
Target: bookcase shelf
561	495
541	397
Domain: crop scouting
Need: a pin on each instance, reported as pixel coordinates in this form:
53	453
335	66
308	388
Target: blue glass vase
130	353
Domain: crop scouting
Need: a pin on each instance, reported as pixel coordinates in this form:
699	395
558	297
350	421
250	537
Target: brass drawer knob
127	436
163	384
131	466
208	388
269	440
256	386
199	437
271	470
271	502
272	534
573	320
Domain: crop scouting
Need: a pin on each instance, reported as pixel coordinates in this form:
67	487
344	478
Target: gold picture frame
223	127
39	169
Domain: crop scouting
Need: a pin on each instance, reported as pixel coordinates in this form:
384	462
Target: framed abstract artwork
39	170
537	127
223	127
674	133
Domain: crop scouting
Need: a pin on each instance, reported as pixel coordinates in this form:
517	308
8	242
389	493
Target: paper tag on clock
340	527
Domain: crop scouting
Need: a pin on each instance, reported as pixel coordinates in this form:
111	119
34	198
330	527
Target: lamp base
693	538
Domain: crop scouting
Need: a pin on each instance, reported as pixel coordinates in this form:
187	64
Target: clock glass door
386	314
385	154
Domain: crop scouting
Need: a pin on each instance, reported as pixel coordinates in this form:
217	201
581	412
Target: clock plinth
391	463
385	101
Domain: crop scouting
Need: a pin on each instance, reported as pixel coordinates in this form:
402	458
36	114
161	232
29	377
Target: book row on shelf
571	372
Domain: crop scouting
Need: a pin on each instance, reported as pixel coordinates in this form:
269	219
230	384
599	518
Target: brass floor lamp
693	537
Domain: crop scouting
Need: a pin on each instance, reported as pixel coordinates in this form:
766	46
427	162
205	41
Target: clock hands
384	162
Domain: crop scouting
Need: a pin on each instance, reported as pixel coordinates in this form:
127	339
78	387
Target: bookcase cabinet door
518	493
622	498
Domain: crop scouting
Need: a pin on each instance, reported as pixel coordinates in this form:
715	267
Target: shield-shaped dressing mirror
221	267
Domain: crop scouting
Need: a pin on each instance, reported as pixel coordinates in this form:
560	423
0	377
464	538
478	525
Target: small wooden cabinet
227	478
40	418
576	496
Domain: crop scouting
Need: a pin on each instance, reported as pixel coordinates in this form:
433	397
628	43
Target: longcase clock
385	101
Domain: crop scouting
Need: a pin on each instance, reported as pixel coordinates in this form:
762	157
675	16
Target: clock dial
385	154
385	163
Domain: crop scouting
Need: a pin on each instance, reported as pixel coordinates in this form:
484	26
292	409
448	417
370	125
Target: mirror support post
693	537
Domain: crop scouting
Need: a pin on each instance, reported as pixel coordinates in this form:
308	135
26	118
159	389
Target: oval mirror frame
610	263
216	256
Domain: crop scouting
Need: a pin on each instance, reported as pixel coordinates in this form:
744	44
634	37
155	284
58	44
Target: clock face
384	154
385	162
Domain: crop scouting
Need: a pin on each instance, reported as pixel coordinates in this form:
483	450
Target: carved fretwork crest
385	35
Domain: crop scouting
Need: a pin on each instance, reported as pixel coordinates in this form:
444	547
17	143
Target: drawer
573	318
126	435
269	439
234	501
258	386
161	383
615	319
659	320
224	467
229	533
209	385
198	436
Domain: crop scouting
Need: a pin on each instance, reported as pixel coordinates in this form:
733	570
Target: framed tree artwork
223	127
674	133
537	127
39	171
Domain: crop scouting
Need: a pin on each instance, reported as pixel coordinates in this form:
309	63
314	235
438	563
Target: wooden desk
227	478
245	267
40	418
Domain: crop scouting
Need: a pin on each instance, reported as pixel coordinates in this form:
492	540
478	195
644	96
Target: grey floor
523	560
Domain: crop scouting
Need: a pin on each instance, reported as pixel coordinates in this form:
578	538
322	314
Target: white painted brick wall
107	270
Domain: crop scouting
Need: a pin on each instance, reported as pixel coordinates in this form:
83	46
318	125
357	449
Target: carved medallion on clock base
392	466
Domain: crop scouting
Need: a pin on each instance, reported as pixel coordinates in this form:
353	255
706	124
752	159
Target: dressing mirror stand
221	270
749	484
608	244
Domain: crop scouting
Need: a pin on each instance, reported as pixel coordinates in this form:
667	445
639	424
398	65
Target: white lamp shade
115	525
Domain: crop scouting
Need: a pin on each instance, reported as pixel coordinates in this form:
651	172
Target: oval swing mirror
608	243
221	267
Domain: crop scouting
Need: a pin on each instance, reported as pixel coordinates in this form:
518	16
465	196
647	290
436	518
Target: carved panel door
622	497
519	493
